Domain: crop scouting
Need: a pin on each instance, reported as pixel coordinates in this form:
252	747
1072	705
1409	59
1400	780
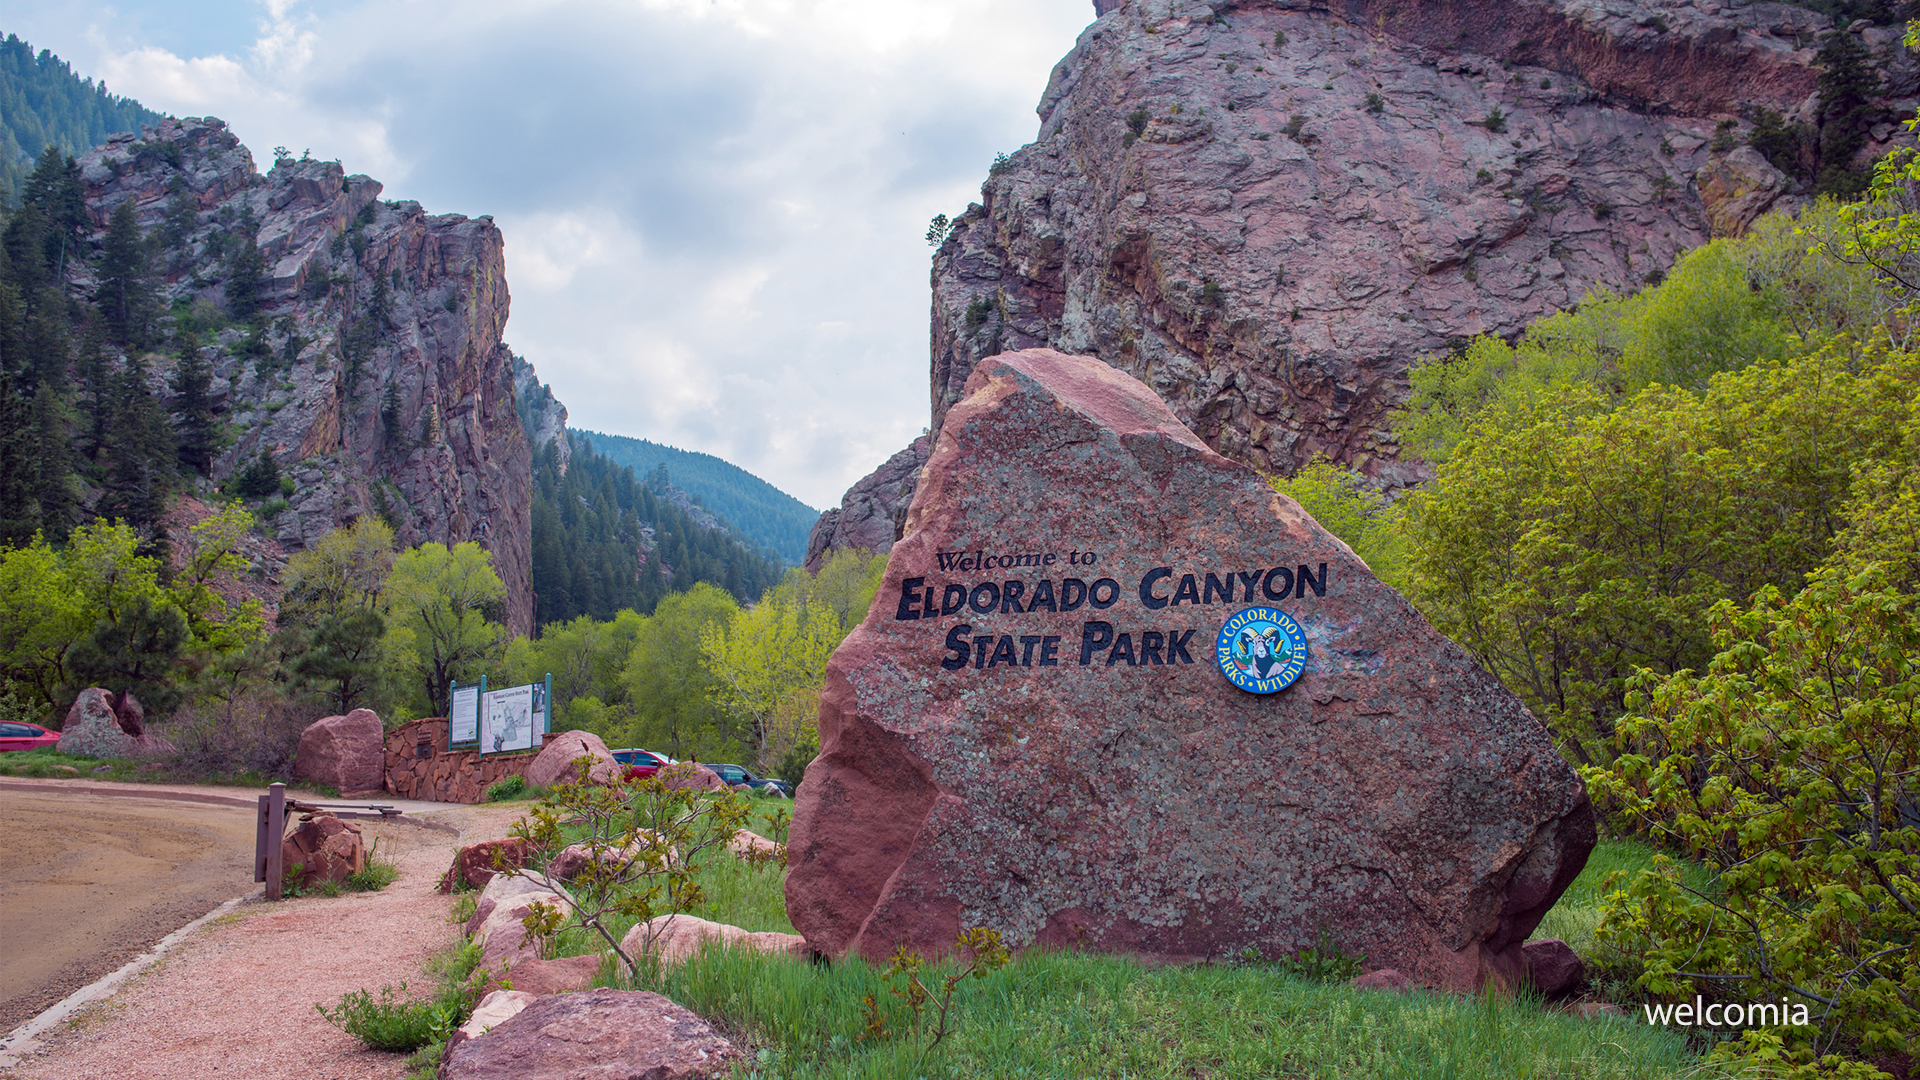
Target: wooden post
275	811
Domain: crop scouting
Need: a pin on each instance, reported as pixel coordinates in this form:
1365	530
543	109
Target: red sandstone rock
324	848
673	938
1037	773
870	516
692	774
1553	967
753	847
347	753
94	729
611	1034
474	865
1384	979
556	761
562	976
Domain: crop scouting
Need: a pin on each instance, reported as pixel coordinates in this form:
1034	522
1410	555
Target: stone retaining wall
419	765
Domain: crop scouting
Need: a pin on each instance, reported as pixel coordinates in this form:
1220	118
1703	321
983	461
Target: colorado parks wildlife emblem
1261	650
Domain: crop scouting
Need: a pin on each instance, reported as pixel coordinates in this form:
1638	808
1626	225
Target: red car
640	763
21	736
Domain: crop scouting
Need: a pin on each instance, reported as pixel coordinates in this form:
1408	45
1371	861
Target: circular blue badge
1261	650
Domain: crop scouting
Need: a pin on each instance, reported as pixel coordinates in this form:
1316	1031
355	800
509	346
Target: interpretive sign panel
507	720
463	716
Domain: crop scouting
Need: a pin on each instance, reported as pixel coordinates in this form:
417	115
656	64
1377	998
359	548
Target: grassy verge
1079	1015
1062	1014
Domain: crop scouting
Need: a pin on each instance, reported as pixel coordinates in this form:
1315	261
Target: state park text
1158	589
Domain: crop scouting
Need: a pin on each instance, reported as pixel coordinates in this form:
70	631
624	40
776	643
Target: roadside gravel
237	998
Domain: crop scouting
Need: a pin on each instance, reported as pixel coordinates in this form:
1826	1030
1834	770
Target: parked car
734	774
640	763
18	735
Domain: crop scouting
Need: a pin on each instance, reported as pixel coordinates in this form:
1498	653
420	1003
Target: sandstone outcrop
1030	731
385	388
599	1033
347	753
563	976
871	515
1267	210
323	848
95	728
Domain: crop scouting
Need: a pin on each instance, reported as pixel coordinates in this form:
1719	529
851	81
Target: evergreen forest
750	506
43	103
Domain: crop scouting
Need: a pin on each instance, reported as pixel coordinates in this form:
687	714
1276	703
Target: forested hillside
749	505
43	103
605	542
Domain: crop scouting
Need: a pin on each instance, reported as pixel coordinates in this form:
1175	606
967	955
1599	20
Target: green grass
1611	866
1052	1014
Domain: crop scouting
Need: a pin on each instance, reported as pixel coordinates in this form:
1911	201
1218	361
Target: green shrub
507	787
398	1024
1496	121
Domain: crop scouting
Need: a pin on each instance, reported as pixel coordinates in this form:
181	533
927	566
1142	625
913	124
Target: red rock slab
611	1034
1030	732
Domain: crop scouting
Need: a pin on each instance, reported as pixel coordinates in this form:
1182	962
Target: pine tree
55	191
246	268
192	405
125	296
139	452
1847	86
53	472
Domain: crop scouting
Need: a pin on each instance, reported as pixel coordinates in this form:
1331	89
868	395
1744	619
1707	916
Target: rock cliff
382	385
1268	209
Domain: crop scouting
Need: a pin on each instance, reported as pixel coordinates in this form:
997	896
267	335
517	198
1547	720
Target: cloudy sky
714	209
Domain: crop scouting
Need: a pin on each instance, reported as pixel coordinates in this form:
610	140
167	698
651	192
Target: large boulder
615	1034
323	848
558	761
1041	728
101	724
347	753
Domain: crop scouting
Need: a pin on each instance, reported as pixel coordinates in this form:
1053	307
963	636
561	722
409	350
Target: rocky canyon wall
384	386
1268	209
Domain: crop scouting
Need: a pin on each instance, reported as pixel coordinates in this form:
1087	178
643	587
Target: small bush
1137	121
1496	121
1295	124
396	1024
510	787
1279	39
1376	103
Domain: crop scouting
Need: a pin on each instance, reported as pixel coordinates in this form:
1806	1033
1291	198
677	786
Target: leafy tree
1569	545
42	612
672	694
1344	506
585	658
344	571
1792	768
766	658
438	600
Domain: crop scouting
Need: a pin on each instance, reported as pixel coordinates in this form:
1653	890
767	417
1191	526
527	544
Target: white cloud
713	208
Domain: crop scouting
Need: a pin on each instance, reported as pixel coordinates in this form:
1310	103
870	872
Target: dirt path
236	998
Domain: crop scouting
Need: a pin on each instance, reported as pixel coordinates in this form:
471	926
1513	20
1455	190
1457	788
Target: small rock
1384	979
495	1009
562	976
474	865
599	1033
324	848
692	774
94	729
753	847
1597	1010
1553	967
673	938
